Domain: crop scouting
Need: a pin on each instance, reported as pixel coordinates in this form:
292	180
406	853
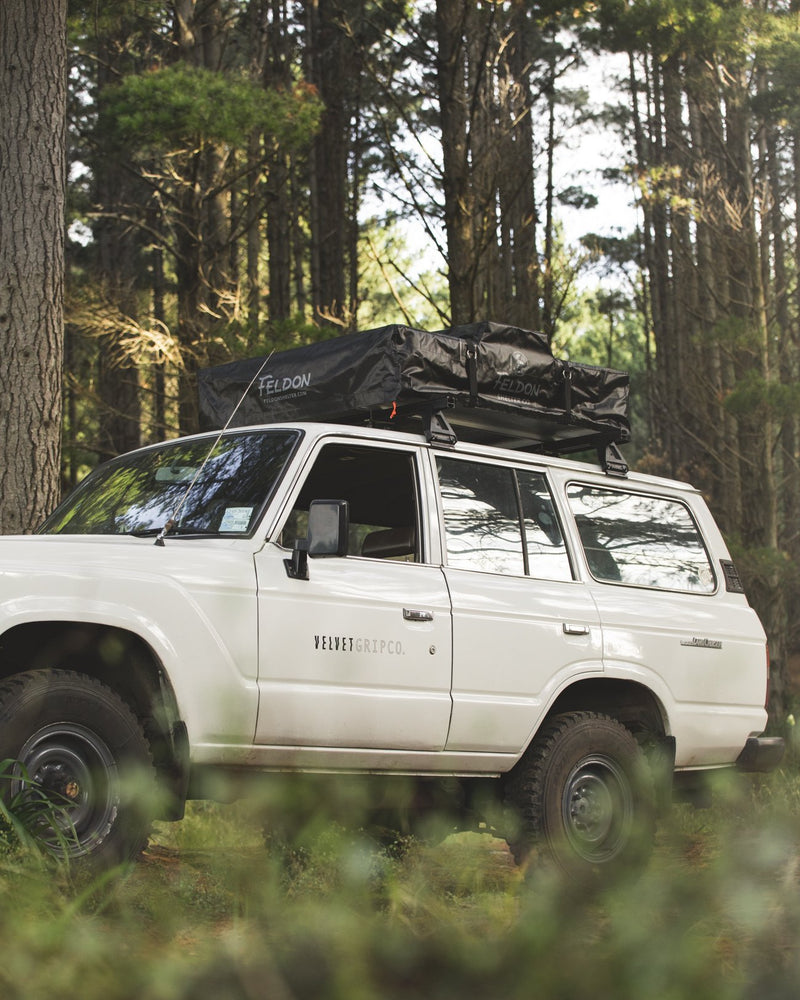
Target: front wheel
83	773
584	796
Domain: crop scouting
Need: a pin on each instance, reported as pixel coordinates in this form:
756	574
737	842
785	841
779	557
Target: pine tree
33	93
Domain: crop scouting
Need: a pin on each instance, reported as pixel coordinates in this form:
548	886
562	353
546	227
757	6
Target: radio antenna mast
174	516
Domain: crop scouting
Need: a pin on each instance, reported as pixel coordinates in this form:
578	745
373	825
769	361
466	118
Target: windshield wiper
170	530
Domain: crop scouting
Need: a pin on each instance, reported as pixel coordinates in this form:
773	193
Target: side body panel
702	654
356	656
516	642
191	601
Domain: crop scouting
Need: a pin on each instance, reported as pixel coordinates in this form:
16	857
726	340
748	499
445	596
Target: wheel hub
58	781
591	808
75	772
597	809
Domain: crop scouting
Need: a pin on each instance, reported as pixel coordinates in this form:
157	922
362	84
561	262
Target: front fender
193	604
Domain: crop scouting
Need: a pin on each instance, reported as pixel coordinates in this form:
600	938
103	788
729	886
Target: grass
209	912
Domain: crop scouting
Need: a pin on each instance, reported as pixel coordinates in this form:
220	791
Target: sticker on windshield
236	519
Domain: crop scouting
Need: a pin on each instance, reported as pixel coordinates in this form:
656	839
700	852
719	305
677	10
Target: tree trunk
33	85
117	249
278	73
517	203
329	73
202	227
451	17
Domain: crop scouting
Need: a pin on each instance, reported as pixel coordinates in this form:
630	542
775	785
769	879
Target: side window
481	517
380	487
640	540
500	520
547	553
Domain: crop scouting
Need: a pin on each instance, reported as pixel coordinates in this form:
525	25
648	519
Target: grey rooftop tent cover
486	382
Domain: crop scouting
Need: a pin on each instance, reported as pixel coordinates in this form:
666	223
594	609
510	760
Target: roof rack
444	423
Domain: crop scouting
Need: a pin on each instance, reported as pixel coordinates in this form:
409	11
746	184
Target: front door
358	655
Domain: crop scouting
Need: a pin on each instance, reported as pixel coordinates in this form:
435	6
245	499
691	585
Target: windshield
141	492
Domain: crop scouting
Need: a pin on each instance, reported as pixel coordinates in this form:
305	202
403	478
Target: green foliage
30	820
237	339
755	395
180	104
210	912
778	49
575	196
397	283
673	27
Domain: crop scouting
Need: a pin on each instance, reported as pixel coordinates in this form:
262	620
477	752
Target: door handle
572	628
416	615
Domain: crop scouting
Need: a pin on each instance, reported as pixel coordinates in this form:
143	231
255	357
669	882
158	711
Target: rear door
522	624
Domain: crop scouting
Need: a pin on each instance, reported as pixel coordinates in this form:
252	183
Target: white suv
343	599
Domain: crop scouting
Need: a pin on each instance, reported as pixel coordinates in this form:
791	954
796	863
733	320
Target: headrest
388	543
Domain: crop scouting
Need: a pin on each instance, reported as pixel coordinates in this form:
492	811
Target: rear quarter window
640	540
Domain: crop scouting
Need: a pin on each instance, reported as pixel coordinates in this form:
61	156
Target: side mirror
328	530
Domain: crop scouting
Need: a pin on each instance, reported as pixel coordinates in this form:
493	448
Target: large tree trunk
33	89
277	73
117	246
518	206
721	475
202	231
451	16
329	72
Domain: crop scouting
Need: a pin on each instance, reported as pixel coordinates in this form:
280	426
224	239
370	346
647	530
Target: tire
83	775
583	796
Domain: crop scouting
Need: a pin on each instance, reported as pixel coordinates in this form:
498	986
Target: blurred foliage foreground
211	912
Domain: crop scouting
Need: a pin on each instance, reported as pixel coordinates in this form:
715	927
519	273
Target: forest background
243	175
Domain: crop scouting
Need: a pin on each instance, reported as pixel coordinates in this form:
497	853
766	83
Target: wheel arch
127	664
631	703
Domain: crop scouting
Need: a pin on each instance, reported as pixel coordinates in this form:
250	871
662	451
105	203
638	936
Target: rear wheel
83	777
583	796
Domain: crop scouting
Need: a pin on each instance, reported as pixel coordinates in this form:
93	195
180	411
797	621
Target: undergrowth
210	911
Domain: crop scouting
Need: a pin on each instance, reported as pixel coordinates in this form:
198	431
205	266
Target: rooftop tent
492	384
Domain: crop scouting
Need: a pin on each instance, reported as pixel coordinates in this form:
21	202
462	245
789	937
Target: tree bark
117	249
33	96
329	73
278	73
451	18
518	206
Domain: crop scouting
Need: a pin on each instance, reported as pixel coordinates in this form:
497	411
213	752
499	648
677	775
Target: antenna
174	515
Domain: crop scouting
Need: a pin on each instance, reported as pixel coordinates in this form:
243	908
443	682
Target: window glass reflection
547	553
641	540
481	517
206	487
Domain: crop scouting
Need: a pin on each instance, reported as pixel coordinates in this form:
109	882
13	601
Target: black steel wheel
583	796
83	776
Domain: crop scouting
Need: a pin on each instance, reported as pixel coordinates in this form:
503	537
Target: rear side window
640	540
501	520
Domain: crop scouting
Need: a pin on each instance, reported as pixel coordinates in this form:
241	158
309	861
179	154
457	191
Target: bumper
761	753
